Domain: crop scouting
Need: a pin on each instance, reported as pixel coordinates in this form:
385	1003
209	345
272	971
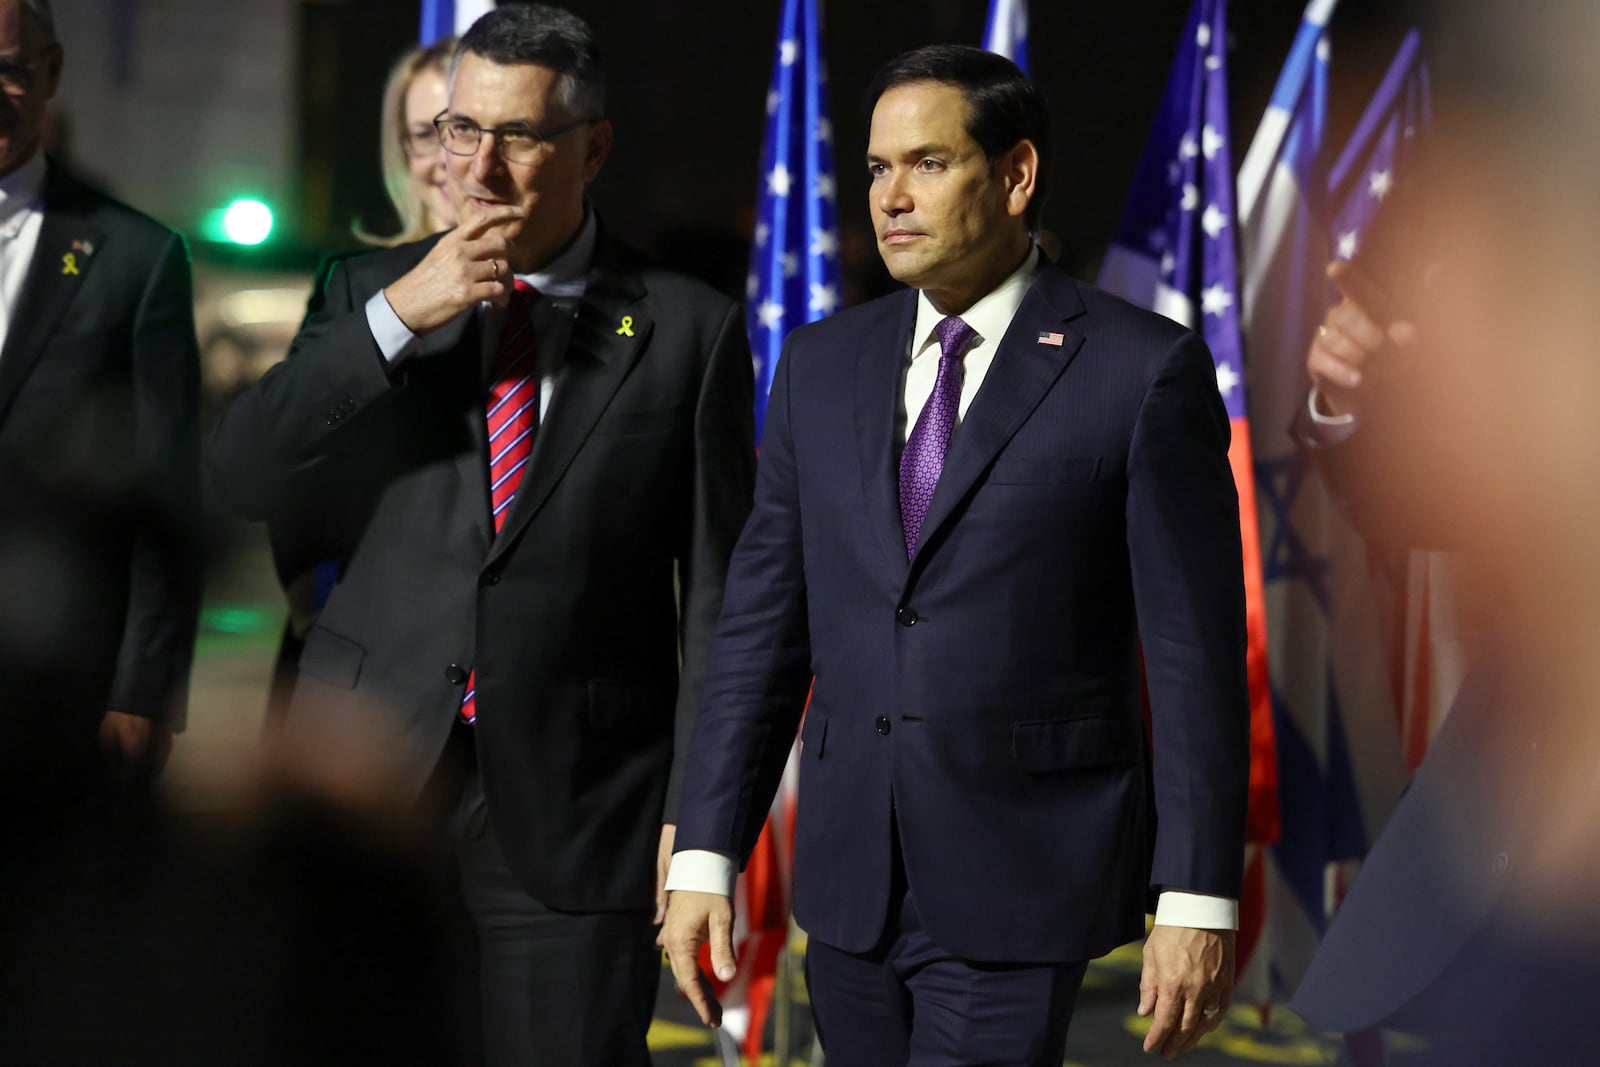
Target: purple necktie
923	458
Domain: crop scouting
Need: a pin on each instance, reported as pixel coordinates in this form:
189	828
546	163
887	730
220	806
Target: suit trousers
558	989
908	1001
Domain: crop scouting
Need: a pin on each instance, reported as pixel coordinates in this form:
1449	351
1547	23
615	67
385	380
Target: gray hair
548	37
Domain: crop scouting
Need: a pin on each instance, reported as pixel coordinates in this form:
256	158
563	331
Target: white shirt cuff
394	339
1197	910
703	871
1328	430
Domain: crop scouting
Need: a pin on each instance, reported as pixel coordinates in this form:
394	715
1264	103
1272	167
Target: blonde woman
413	161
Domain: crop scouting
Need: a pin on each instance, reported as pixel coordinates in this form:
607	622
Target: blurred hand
139	746
467	265
692	920
669	832
1187	984
1355	344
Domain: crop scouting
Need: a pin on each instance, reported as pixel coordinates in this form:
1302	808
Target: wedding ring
1210	1010
1322	331
494	265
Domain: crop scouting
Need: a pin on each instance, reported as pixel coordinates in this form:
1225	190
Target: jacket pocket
331	658
1042	745
1049	470
649	420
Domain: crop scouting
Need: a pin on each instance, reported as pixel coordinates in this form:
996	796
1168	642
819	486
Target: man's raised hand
465	267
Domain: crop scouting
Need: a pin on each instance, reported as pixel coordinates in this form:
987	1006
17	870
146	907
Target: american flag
794	279
1006	31
794	266
441	18
1175	253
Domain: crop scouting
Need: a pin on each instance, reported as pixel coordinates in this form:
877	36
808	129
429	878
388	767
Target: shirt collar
567	275
989	317
19	191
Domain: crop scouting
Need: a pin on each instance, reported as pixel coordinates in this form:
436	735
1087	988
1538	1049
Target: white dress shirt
561	284
1328	430
705	871
21	216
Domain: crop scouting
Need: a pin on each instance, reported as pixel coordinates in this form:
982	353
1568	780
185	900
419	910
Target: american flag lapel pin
1048	338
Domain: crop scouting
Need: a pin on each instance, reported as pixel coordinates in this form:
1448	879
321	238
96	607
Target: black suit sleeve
287	423
723	478
164	572
1188	584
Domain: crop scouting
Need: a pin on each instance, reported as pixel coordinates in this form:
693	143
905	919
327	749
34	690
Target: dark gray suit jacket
99	476
607	574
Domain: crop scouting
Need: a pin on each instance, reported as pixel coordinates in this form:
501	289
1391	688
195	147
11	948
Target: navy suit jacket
982	699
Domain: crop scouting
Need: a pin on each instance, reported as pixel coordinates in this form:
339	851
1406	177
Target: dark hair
549	37
1004	108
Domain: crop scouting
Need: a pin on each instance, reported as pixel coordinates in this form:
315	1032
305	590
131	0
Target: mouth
899	237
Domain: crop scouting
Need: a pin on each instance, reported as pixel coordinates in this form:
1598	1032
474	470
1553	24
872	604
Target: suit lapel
608	335
878	369
467	336
1022	372
61	263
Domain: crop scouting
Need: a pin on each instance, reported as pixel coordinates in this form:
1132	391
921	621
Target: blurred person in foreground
414	178
99	377
534	453
977	497
1454	407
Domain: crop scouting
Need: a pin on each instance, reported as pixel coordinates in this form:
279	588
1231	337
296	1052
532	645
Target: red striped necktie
511	411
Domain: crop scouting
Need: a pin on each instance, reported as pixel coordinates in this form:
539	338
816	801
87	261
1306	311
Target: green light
247	222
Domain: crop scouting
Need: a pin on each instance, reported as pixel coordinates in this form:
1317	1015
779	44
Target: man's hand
139	746
692	920
1354	342
1188	984
669	833
467	265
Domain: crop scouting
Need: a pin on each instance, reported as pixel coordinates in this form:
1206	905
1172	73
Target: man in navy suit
977	501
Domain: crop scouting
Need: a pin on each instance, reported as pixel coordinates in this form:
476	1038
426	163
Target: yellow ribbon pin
69	264
626	329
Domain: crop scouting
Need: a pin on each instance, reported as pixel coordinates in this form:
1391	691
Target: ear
1019	169
599	146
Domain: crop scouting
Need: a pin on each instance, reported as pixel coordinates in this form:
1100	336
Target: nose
486	160
893	198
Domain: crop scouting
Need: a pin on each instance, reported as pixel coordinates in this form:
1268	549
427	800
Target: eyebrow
920	152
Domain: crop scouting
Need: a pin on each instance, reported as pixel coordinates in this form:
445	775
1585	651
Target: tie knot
954	335
524	289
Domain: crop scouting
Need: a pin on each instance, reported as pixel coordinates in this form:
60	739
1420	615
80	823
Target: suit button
490	578
333	418
905	617
882	724
455	674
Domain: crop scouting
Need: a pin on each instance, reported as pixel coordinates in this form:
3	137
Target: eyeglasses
419	144
517	144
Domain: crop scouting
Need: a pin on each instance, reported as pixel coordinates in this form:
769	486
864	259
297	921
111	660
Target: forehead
492	93
16	30
918	114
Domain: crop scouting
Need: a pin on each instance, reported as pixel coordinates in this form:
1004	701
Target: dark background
688	84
